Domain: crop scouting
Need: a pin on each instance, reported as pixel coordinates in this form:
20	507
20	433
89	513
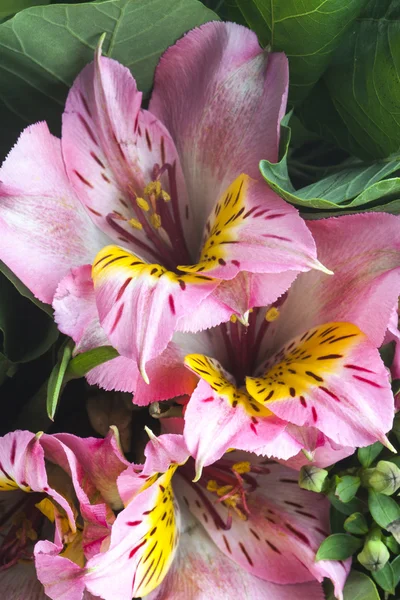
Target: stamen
242	467
135	224
272	314
143	204
155	220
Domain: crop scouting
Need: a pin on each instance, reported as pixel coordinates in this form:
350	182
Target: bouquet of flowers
199	286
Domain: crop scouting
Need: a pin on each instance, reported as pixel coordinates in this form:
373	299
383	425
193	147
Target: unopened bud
312	478
111	408
356	523
374	555
384	478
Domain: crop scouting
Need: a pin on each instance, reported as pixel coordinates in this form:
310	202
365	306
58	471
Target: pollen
233	318
155	220
143	204
153	188
242	467
165	196
212	485
223	490
135	223
272	314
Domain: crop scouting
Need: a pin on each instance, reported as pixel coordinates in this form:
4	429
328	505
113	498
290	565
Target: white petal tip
150	433
144	374
320	267
100	44
199	471
244	319
388	445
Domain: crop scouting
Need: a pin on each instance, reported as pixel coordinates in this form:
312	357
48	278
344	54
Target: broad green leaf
367	455
392	207
338	546
384	510
42	50
364	85
351	187
85	362
10	7
360	587
395	564
336	520
26	331
347	488
57	379
348	508
356	523
385	578
308	32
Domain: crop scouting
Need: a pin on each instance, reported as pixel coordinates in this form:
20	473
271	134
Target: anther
272	314
242	467
155	220
135	224
143	204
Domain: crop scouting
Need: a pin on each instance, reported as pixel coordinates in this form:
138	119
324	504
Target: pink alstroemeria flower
162	206
305	373
263	531
54	487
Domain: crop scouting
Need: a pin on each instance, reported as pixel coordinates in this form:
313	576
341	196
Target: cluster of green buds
364	492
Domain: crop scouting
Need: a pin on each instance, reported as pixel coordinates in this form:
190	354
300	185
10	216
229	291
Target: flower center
19	527
231	482
157	216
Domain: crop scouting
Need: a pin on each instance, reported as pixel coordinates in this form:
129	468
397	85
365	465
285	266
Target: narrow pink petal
325	455
102	461
162	451
279	538
364	287
139	304
111	147
222	98
44	229
201	571
330	378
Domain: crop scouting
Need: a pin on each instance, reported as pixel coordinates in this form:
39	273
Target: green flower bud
384	478
374	555
313	478
356	523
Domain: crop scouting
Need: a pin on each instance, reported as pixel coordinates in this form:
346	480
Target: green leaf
27	332
356	523
338	546
309	32
384	510
359	587
57	379
42	50
352	187
367	455
10	7
85	362
385	578
349	508
347	488
336	520
395	564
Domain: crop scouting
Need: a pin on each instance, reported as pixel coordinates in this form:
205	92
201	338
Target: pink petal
77	316
393	335
222	99
44	229
279	539
62	579
164	450
139	304
219	417
142	546
250	229
200	571
330	378
111	147
364	287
